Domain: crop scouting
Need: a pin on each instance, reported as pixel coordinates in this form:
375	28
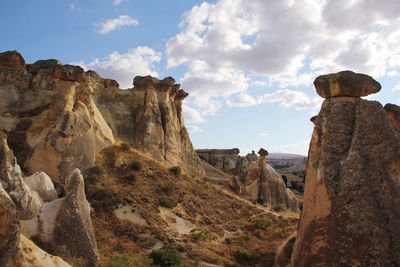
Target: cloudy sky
248	65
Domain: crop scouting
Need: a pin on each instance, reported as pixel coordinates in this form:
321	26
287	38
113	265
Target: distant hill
284	156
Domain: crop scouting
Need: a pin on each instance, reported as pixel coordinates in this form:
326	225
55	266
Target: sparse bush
125	146
103	199
228	241
245	256
166	203
278	208
92	174
135	166
176	170
123	260
263	223
166	257
166	189
118	247
290	245
197	235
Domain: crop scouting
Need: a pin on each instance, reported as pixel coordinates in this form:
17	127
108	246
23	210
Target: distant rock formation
227	160
251	177
58	117
351	213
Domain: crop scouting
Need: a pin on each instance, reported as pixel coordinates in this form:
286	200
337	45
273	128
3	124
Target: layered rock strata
58	117
352	193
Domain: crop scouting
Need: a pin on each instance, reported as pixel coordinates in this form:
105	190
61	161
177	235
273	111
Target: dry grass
215	216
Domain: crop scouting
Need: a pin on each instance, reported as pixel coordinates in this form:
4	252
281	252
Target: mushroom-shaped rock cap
144	81
346	83
263	152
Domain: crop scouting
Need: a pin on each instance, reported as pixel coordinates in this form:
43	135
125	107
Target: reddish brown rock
393	113
56	70
12	59
346	83
351	213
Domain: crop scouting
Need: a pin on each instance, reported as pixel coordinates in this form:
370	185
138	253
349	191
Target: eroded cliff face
352	192
58	117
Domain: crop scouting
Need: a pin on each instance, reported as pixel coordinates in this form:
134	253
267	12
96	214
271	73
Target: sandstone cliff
352	194
58	117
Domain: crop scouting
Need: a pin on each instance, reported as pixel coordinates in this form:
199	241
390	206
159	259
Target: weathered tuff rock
65	224
58	117
263	184
346	83
9	230
42	183
393	113
351	206
27	201
227	160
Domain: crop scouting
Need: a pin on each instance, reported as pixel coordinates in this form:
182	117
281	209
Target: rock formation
393	113
9	230
65	224
227	160
265	186
352	196
28	202
58	117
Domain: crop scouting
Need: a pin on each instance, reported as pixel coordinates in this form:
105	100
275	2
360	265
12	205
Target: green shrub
135	166
125	146
103	199
197	235
176	170
228	241
290	245
166	189
166	257
118	247
263	223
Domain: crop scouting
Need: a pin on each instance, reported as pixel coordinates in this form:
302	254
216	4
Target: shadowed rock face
393	113
352	194
58	117
346	83
9	230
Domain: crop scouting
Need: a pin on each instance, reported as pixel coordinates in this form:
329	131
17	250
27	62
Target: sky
248	66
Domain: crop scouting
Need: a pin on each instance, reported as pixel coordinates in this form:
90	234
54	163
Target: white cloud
110	25
72	6
262	134
124	67
194	129
242	100
191	115
286	42
396	87
117	2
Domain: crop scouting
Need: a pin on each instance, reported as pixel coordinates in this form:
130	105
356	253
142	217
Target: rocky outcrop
352	195
393	113
346	83
65	224
265	186
28	202
9	230
227	160
58	117
42	183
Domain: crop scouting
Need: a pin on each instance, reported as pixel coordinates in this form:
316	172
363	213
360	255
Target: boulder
9	230
346	83
352	190
41	183
393	113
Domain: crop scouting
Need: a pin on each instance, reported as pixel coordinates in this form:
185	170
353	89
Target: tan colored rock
393	113
64	117
28	202
33	256
352	194
9	230
346	83
65	224
41	183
